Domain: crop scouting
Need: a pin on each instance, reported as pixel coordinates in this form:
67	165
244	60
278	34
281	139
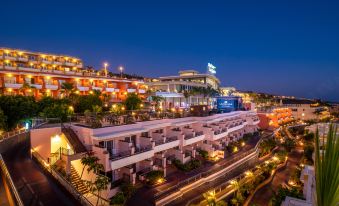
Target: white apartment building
302	109
129	151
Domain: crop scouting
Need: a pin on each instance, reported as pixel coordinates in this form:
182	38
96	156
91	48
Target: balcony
57	63
170	142
10	67
13	85
10	57
45	61
128	158
79	65
51	86
37	86
70	72
28	69
219	134
117	90
142	91
71	64
97	88
83	89
131	90
23	59
191	138
109	89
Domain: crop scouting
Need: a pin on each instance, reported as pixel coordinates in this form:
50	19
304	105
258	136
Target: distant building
272	119
302	109
173	88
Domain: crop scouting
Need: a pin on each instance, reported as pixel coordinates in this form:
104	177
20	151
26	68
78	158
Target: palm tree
236	186
101	183
88	160
210	198
25	86
187	95
327	169
67	88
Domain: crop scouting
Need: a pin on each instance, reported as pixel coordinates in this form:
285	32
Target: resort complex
119	139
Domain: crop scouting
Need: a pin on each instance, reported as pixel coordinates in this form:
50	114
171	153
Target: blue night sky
280	47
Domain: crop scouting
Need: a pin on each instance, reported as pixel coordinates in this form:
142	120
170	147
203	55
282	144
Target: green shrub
153	176
118	199
189	166
203	153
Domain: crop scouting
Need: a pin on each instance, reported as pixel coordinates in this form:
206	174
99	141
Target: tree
132	102
3	119
88	160
101	183
327	169
67	88
17	108
25	86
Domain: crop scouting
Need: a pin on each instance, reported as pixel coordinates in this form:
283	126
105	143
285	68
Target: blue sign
225	104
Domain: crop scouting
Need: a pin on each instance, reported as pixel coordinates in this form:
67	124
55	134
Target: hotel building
273	118
128	152
171	88
38	74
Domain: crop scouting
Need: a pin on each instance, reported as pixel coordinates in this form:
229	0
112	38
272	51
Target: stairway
77	182
73	139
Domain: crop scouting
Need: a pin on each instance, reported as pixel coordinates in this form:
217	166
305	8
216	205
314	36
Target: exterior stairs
73	139
77	182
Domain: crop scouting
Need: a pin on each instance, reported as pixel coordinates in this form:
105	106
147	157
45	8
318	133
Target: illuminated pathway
33	185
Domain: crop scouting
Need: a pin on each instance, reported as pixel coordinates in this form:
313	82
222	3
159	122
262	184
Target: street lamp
105	66
121	69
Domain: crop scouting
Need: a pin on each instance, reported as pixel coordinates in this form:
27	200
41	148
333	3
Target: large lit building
172	88
303	109
273	118
128	152
38	74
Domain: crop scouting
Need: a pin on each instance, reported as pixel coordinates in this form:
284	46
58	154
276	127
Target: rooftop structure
128	152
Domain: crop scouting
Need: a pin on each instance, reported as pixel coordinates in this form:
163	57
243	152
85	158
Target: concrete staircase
73	139
77	182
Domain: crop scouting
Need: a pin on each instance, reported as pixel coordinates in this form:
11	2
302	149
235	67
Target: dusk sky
280	47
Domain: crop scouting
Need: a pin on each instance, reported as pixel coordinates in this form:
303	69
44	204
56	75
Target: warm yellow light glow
235	149
105	81
20	53
48	77
77	92
71	108
43	56
160	180
54	66
29	76
56	139
9	90
122	108
91	80
242	144
48	91
9	75
6	51
7	61
249	174
91	92
141	105
114	106
31	64
173	109
125	93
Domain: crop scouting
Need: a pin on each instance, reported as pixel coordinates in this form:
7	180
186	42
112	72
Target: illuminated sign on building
211	68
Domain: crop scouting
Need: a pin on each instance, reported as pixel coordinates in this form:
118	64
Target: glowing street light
105	66
121	69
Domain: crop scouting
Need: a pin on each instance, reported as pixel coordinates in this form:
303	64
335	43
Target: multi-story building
129	151
172	88
303	109
38	74
273	118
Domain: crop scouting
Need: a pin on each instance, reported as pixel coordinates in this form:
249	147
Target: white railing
10	182
6	135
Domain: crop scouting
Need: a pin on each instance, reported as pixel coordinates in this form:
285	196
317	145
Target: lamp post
121	69
105	67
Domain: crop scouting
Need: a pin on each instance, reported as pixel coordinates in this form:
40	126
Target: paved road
34	186
263	196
